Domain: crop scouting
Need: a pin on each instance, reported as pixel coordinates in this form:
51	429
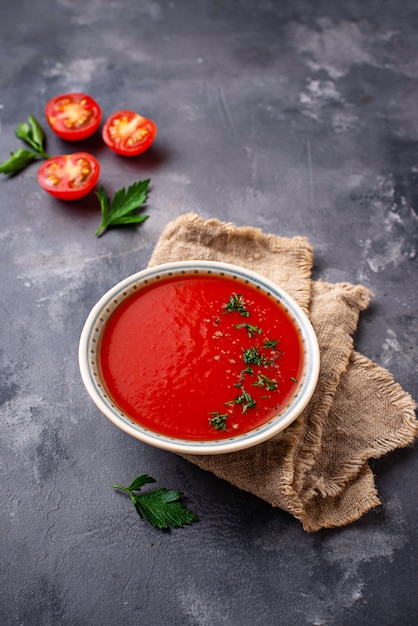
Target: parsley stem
122	488
100	229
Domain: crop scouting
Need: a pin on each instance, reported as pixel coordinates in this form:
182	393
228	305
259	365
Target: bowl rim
111	299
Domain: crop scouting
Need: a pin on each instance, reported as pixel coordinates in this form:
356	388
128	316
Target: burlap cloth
317	469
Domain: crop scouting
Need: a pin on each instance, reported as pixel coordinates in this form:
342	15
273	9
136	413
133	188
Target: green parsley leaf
31	133
140	481
18	161
161	507
121	210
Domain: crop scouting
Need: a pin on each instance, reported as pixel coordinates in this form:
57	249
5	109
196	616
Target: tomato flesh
73	116
128	133
69	176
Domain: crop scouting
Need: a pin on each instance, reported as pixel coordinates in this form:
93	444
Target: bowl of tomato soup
199	357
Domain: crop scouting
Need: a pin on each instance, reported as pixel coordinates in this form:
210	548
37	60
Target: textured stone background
297	117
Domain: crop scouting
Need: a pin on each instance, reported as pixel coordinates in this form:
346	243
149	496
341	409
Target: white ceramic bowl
91	374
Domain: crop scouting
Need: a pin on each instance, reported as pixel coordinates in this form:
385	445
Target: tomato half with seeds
128	133
73	116
69	176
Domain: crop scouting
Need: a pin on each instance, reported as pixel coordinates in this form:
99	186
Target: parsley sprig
122	208
31	133
161	507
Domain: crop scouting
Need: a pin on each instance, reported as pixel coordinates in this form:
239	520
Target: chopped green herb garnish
247	370
251	330
161	507
236	303
270	344
252	356
246	400
264	381
295	380
218	420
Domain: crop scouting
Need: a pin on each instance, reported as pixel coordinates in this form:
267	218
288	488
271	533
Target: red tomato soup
200	357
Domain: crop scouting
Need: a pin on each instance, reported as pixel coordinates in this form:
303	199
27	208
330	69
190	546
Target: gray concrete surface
296	117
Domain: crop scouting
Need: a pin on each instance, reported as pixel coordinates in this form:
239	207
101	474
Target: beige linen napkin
317	469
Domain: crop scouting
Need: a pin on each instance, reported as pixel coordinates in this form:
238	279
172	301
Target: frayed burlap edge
334	313
391	425
357	498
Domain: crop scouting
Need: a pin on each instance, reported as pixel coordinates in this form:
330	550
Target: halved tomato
69	176
73	116
128	133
